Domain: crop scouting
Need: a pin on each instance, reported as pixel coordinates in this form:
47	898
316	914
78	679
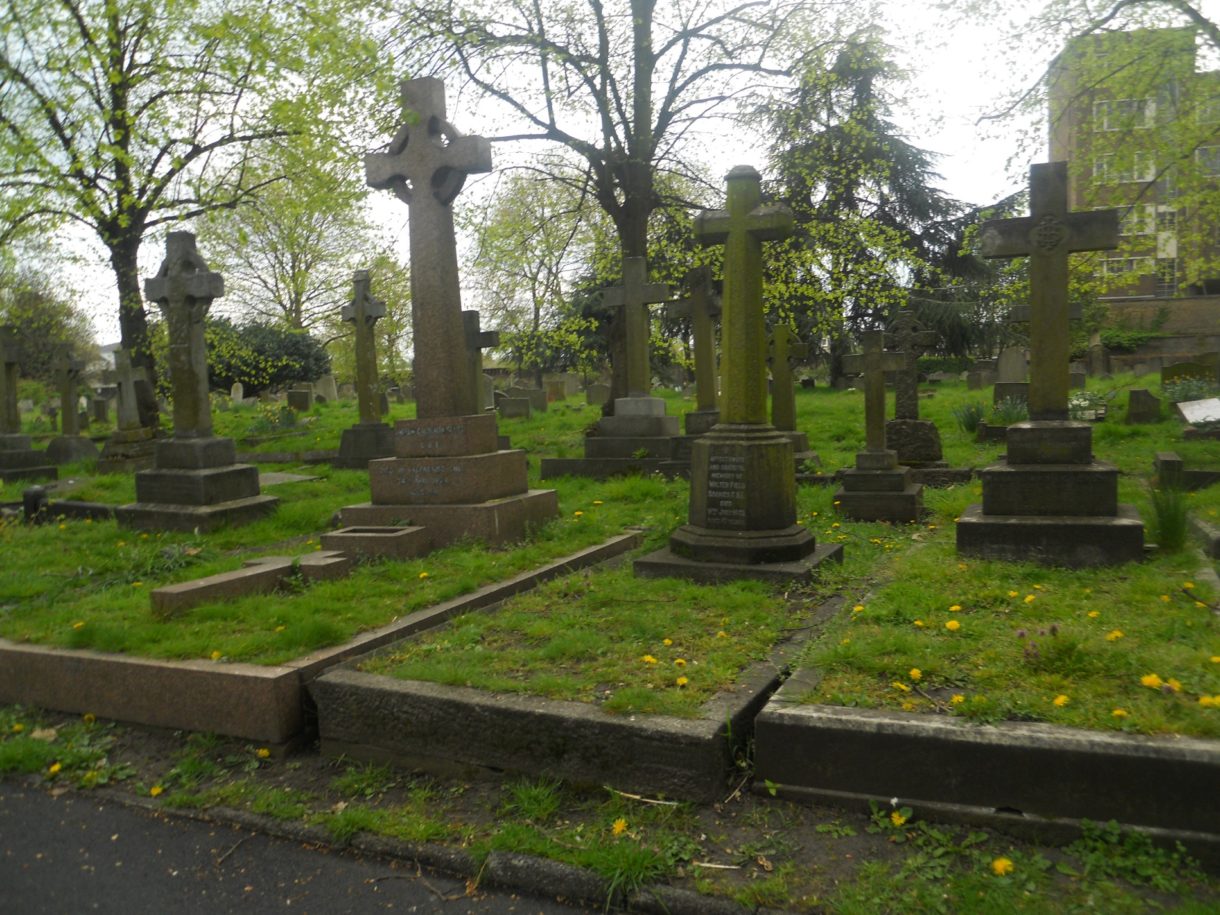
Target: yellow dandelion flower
618	827
63	527
1119	713
1060	701
1188	585
1174	685
598	502
915	674
897	818
908	705
155	791
1207	701
859	608
79	624
1030	598
722	634
1093	614
263	753
137	584
648	659
1165	598
280	628
1038	588
1013	593
1114	635
667	642
836	524
899	685
679	662
423	575
956	608
54	768
957	699
682	681
216	656
1152	681
918	624
1215	659
1002	867
88	718
961	567
953	625
17	728
577	514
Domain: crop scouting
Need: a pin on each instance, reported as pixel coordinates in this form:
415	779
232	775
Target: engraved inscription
726	490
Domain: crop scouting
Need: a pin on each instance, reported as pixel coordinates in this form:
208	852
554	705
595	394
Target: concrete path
77	854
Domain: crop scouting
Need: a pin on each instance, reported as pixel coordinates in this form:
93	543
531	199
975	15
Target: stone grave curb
451	729
542	877
992	775
1208	535
265	703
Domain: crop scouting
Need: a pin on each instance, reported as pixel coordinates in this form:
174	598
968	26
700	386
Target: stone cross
126	377
873	363
742	228
426	166
478	340
10	357
702	306
183	289
785	346
363	313
1047	236
67	374
907	336
634	297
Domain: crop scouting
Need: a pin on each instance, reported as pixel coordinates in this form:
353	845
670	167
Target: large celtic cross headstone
425	166
183	289
785	346
634	297
873	362
702	306
67	374
742	227
907	336
477	340
126	377
363	313
10	357
1047	236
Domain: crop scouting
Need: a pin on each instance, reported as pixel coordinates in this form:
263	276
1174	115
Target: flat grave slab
248	701
275	478
1196	412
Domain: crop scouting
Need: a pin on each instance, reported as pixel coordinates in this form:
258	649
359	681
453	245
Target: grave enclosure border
261	703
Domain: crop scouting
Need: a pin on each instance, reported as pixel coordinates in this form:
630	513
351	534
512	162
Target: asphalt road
73	854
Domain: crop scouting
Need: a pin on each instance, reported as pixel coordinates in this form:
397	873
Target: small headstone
383	403
1143	406
513	407
536	397
101	409
237	393
487	391
556	390
1077	380
325	387
597	394
301	399
347	391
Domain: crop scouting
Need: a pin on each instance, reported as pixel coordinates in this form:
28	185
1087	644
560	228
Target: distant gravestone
702	307
300	398
536	397
915	441
1143	407
478	340
18	459
369	438
1011	381
1099	356
325	387
597	394
70	445
513	407
783	349
487	391
237	393
1181	371
101	409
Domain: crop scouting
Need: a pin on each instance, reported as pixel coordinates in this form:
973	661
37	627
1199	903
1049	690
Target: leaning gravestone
131	446
1049	501
915	441
196	482
1143	407
326	387
69	446
449	474
878	488
1012	376
742	520
18	459
370	438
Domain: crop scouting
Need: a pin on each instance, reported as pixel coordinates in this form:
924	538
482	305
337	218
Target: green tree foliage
390	281
870	225
129	115
45	321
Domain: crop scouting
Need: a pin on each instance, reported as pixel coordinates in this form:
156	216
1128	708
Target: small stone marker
237	393
597	394
70	445
300	398
1012	377
370	438
478	340
195	482
702	307
326	387
1143	406
878	488
1049	501
915	441
742	521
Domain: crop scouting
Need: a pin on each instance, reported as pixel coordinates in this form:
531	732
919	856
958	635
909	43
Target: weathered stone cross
1048	235
906	335
702	305
785	346
873	363
426	166
10	357
742	228
125	377
363	313
634	297
67	373
183	289
477	340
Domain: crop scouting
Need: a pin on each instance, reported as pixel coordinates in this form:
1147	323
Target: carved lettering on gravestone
362	313
908	337
726	490
702	307
184	289
742	228
1047	236
873	362
10	357
634	297
425	166
785	346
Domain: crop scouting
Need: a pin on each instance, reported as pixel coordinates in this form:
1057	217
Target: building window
1139	219
1167	221
1128	267
1208	160
1124	114
1111	169
1166	277
1208	111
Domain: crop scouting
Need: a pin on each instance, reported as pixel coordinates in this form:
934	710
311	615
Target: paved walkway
76	854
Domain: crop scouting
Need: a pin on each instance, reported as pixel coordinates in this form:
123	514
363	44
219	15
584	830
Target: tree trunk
133	323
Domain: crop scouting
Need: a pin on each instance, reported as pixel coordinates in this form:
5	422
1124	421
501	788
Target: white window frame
1119	114
1128	267
1142	169
1214	154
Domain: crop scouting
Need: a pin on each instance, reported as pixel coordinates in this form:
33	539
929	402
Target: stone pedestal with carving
878	488
450	477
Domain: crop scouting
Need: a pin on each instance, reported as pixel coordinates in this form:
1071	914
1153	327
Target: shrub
1009	410
969	415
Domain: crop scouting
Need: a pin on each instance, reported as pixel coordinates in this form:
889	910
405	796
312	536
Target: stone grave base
248	701
454	729
1057	540
601	468
697	422
665	563
378	542
598	447
19	461
451	479
495	522
68	449
1042	778
941	476
902	505
1050	489
364	442
152	516
207	486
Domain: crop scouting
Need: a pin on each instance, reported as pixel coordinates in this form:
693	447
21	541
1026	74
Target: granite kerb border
1028	778
264	703
468	731
1208	536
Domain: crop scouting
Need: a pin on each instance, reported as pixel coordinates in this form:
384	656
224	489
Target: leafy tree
46	320
126	116
390	281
